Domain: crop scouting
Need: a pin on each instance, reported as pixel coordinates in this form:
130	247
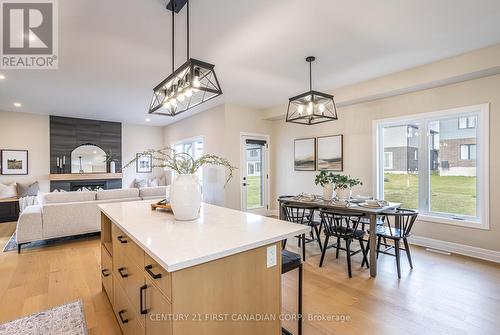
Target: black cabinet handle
141	290
105	274
124	275
121	239
121	317
154	275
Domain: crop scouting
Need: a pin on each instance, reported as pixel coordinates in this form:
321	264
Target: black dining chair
302	214
399	223
342	226
291	261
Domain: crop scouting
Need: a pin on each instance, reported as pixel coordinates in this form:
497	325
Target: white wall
136	139
30	132
220	128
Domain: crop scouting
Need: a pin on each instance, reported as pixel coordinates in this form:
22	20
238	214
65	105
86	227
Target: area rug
12	244
66	319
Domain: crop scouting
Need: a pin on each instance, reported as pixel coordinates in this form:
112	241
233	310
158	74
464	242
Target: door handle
141	290
244	184
120	313
124	275
121	239
151	273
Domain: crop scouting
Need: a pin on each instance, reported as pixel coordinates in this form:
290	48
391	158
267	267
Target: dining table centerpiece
344	185
326	180
185	191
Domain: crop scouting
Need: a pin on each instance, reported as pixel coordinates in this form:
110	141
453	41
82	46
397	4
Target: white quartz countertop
217	233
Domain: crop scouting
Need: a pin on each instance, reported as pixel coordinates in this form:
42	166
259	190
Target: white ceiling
112	53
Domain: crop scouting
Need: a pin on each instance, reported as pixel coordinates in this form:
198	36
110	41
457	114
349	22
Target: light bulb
173	102
180	97
188	93
321	108
310	108
166	103
196	78
300	109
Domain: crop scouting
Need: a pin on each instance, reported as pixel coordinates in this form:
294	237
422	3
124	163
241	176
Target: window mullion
423	168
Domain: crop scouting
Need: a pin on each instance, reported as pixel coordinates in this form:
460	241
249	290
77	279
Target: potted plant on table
326	180
344	185
185	192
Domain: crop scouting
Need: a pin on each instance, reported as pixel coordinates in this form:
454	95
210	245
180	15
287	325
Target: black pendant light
192	84
311	107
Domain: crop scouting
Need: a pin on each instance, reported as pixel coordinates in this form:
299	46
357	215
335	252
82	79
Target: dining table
355	208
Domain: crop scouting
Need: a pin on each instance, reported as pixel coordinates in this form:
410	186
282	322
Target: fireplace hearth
91	186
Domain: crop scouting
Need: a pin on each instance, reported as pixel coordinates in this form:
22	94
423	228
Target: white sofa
61	214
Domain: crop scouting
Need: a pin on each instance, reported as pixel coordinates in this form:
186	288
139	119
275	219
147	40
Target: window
250	169
467	122
257	167
253	153
388	160
467	152
193	147
444	174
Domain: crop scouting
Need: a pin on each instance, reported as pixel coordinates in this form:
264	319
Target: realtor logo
29	34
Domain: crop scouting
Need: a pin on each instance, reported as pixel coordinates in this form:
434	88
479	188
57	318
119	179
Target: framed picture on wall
144	163
304	154
330	153
14	162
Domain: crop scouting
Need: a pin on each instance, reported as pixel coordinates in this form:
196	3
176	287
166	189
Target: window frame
482	164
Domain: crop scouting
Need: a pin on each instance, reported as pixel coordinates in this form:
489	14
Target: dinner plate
364	204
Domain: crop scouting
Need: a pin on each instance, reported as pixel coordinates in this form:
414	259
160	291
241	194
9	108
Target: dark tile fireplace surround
68	133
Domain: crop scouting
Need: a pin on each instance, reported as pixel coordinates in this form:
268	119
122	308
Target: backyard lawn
449	194
253	192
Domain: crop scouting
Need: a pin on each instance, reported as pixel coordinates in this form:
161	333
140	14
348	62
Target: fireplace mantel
84	176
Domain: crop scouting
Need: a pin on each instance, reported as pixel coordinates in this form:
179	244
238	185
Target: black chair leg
19	248
379	240
407	248
304	247
366	253
363	251
316	230
283	245
338	246
325	246
398	257
348	251
300	301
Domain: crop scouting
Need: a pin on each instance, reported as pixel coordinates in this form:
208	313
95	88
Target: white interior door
255	174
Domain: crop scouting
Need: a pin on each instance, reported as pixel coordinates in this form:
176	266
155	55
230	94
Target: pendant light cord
310	76
173	34
187	52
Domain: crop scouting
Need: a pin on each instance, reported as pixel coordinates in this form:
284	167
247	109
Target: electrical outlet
271	256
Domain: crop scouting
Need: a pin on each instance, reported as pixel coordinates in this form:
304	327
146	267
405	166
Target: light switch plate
271	256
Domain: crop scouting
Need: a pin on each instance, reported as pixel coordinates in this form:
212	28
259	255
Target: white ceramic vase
185	197
327	192
343	193
112	167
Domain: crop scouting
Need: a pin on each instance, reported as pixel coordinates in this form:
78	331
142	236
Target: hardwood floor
442	295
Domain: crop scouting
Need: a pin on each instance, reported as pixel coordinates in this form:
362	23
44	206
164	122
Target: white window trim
183	141
483	188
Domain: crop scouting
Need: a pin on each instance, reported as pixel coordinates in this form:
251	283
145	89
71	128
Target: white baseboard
456	248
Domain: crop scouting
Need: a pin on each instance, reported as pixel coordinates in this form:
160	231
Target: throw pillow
153	182
27	190
162	181
8	191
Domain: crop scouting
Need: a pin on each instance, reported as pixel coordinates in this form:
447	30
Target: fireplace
89	185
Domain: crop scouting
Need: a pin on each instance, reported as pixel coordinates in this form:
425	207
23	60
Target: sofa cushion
154	192
62	197
29	226
118	194
8	191
28	190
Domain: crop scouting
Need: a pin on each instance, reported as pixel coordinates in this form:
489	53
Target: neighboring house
457	141
254	161
401	149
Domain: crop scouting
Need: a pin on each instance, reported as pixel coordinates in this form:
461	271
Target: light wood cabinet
147	299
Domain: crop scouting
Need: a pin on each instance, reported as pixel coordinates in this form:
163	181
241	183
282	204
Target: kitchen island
219	274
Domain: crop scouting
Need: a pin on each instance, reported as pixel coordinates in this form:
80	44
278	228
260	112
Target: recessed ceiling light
2	77
148	119
17	104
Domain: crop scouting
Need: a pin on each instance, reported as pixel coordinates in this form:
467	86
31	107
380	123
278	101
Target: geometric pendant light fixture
190	85
311	107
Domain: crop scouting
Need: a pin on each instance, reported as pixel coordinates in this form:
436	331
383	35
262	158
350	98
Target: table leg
373	245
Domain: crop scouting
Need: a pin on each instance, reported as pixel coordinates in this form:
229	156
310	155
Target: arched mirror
88	158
